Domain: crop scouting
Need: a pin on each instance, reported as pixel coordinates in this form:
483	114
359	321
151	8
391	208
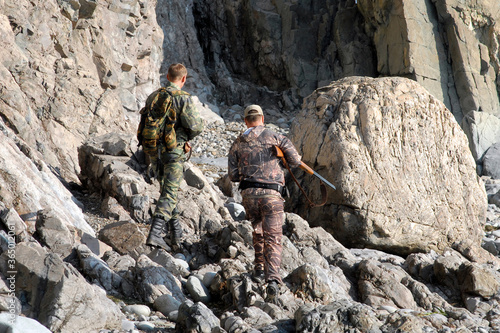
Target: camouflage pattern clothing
189	124
252	158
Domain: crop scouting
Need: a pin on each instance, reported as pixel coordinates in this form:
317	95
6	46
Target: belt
249	184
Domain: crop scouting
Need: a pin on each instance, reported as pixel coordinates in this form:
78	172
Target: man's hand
187	147
152	170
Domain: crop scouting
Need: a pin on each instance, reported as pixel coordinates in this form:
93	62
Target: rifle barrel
324	180
305	167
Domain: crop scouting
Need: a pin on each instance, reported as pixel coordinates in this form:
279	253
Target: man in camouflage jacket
169	164
252	161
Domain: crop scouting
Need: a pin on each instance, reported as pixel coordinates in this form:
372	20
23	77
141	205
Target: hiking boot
175	232
272	290
155	237
258	275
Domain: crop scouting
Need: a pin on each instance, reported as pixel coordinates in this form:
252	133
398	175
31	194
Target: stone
381	284
13	222
196	316
97	270
491	161
155	280
208	278
174	265
17	324
58	296
446	268
138	309
483	131
145	326
113	210
117	177
318	284
333	317
194	177
24	171
55	233
403	143
479	281
236	210
197	289
95	245
123	236
166	304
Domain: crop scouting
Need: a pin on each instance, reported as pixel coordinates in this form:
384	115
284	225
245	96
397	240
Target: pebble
145	326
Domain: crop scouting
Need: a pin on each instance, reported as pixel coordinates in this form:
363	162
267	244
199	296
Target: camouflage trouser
170	179
264	208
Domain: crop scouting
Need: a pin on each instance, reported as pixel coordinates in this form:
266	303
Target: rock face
395	152
289	46
447	46
29	185
71	69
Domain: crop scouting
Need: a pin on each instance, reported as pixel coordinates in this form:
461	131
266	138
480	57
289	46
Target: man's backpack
158	119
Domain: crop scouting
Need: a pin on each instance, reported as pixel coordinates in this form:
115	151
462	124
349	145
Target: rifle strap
322	186
189	154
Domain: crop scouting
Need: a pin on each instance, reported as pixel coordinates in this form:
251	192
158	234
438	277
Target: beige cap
253	110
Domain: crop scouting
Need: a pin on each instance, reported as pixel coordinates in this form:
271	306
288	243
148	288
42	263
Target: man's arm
190	119
291	155
232	164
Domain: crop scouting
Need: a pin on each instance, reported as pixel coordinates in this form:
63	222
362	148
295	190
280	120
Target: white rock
138	309
17	324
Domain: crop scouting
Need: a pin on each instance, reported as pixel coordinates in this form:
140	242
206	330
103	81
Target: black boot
155	234
175	232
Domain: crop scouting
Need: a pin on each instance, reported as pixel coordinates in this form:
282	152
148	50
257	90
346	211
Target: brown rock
123	236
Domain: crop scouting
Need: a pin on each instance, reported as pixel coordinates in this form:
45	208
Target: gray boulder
58	296
491	161
55	233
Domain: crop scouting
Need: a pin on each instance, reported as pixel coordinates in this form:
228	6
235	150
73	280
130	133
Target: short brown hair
176	72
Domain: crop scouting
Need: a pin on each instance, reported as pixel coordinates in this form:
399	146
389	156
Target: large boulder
406	180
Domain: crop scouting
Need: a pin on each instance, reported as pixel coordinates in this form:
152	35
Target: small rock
197	290
166	304
138	309
145	326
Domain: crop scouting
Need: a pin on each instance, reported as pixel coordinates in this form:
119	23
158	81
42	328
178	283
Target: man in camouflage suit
252	161
169	164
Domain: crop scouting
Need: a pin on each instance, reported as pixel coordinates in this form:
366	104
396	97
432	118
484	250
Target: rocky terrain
396	102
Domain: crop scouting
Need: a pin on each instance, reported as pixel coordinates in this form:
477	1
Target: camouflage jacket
189	123
252	156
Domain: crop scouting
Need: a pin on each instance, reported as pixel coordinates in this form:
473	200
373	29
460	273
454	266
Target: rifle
322	181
